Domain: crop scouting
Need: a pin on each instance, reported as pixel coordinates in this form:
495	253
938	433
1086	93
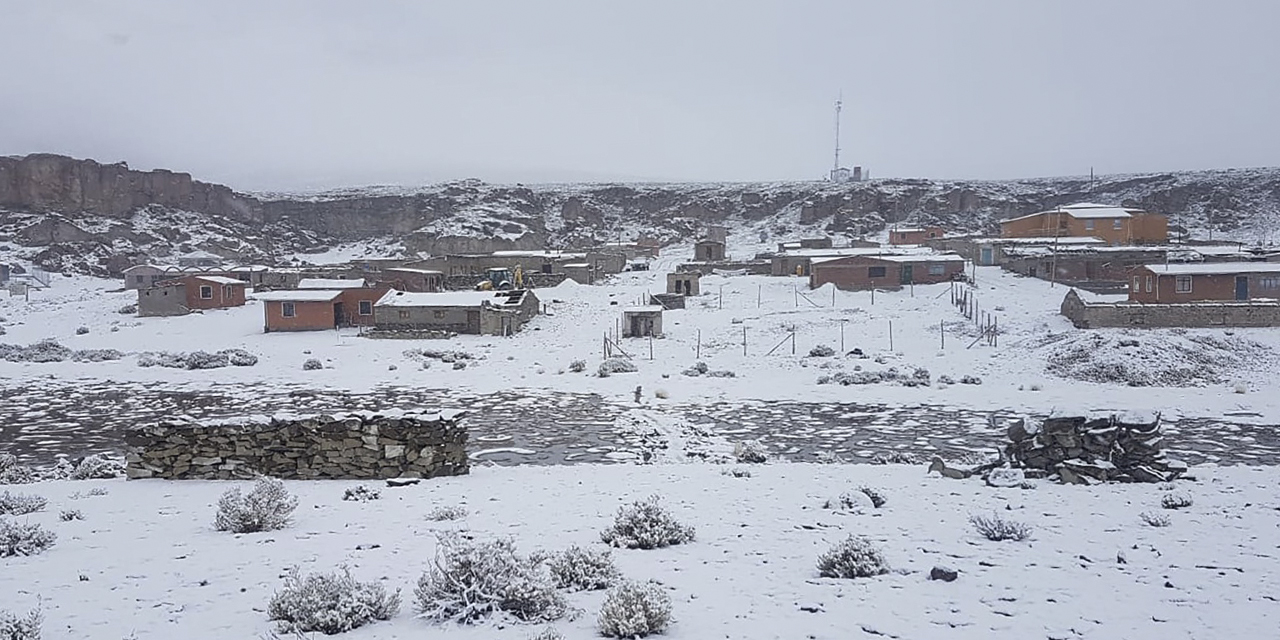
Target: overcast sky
262	94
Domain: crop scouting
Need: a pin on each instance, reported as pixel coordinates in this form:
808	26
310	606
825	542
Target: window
287	310
1269	282
937	269
875	272
404	314
1182	284
1148	284
1117	224
139	279
206	292
226	291
1088	225
366	307
438	313
1137	284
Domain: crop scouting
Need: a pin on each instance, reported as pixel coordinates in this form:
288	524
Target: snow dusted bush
47	350
721	374
13	627
312	364
877	498
946	379
197	359
634	610
578	366
897	457
98	466
856	501
203	360
736	472
267	507
469	581
16	504
330	603
661	394
17	539
128	309
82	330
854	557
360	493
645	524
821	351
96	491
440	514
1153	519
239	357
13	473
997	529
67	515
549	633
615	365
750	452
160	359
697	369
583	569
1176	500
97	355
974	380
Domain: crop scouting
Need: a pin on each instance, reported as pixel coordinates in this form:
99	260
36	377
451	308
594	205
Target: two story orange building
1113	225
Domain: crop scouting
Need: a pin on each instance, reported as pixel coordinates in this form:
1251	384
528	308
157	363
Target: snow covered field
145	560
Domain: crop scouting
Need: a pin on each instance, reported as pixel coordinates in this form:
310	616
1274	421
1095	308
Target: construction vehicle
496	279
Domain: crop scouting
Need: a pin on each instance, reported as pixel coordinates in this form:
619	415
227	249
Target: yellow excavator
501	279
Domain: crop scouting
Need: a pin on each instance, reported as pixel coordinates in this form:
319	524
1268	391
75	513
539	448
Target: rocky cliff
82	216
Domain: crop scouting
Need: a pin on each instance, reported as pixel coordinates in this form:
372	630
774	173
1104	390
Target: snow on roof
846	251
1046	241
221	280
200	255
577	265
446	299
429	272
918	257
297	296
1214	268
330	283
250	268
534	254
1084	210
649	308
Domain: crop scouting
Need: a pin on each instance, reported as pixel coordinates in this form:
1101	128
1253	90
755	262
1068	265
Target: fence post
942	333
651	346
759	288
699	348
890	335
842	321
793	341
744	340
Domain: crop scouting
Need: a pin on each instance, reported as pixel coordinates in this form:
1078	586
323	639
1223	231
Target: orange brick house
917	235
181	296
1113	225
885	271
1204	282
318	309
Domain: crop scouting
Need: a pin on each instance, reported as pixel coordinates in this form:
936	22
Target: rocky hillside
78	215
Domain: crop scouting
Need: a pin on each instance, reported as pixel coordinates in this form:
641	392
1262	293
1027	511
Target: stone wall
531	281
1097	315
359	446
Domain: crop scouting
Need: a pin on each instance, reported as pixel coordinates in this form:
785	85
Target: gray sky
268	94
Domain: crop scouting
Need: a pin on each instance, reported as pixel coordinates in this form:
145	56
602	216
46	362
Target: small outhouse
640	322
684	283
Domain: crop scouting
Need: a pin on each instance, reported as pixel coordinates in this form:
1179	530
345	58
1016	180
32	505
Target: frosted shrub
736	472
634	610
578	366
1153	519
203	360
997	529
97	355
821	351
239	357
854	557
128	309
646	525
440	514
267	507
312	364
329	603
18	539
583	569
360	493
16	504
82	330
97	467
615	365
67	515
469	581
751	452
1176	501
13	473
877	498
13	627
549	633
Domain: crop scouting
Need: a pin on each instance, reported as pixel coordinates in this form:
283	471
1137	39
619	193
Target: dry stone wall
1098	315
356	446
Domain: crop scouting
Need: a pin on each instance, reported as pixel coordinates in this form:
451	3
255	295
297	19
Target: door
337	314
1242	287
986	256
907	272
637	326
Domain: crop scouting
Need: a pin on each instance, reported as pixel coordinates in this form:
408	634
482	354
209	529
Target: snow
221	280
443	299
1213	268
330	283
296	296
1083	211
146	562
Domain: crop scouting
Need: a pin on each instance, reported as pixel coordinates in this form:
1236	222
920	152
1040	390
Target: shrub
468	581
47	350
578	366
312	364
440	514
267	507
67	515
696	370
97	467
750	451
549	633
96	491
854	557
96	355
239	357
736	472
721	374
970	380
877	498
18	539
360	493
13	627
16	504
13	473
82	330
997	529
853	501
645	524
821	351
583	569
329	603
1175	500
615	365
1154	519
128	309
203	360
634	610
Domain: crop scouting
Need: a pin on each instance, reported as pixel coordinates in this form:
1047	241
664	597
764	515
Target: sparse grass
998	529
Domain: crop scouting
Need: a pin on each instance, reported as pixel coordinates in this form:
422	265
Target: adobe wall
356	446
1096	315
531	281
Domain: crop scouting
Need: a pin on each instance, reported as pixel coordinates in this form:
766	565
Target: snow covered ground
1232	368
146	561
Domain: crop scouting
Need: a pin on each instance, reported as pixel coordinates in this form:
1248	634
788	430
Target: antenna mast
835	168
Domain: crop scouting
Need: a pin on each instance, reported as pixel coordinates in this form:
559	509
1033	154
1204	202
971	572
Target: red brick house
1204	282
181	296
318	309
885	271
917	235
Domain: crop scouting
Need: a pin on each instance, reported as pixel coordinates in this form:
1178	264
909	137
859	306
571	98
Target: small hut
684	283
640	322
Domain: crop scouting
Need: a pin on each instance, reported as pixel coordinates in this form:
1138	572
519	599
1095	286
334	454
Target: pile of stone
1084	449
354	446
